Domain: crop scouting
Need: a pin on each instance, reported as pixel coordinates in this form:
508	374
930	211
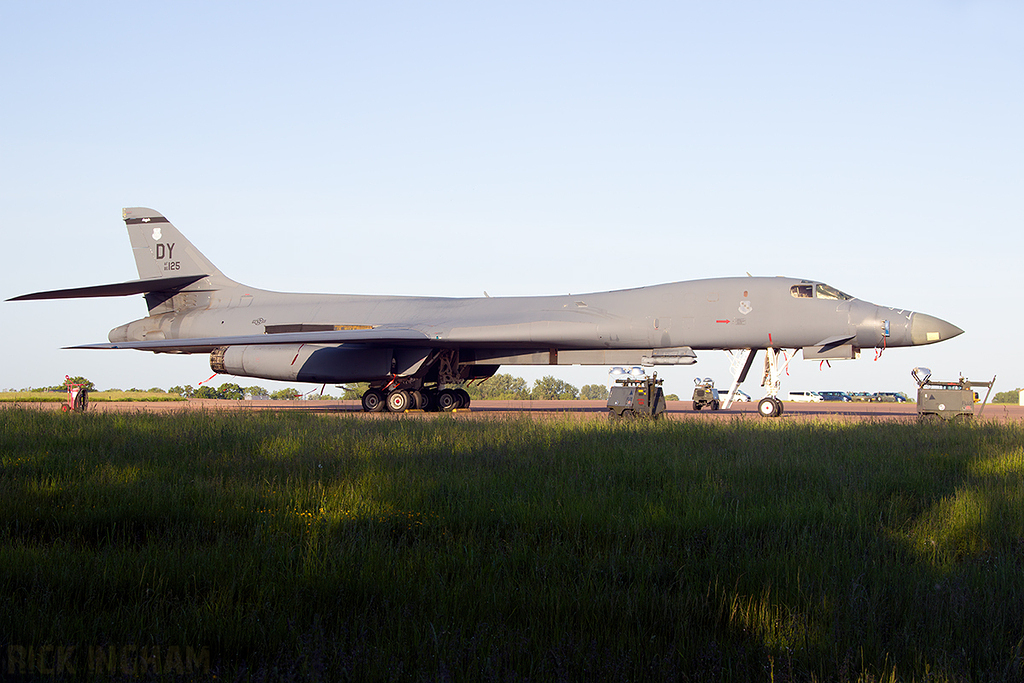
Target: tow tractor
705	394
636	397
948	400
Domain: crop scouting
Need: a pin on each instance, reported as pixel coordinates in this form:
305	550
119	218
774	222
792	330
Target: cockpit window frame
823	291
818	290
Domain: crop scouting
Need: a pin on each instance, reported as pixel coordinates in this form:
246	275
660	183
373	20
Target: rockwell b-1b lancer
417	351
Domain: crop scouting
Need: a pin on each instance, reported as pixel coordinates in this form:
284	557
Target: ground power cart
947	400
637	397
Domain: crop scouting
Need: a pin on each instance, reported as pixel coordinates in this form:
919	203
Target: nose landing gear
776	362
769	406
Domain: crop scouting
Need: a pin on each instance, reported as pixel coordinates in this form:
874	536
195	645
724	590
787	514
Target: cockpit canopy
818	290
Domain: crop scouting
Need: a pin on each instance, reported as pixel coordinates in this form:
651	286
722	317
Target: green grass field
326	547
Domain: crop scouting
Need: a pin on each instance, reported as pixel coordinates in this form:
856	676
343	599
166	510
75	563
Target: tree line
505	387
500	387
235	392
1007	396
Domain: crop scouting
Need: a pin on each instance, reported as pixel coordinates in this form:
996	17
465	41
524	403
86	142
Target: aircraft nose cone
927	329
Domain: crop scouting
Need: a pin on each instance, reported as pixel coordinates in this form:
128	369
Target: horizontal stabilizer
377	335
162	284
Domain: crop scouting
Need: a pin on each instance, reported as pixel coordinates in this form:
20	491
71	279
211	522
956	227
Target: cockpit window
818	291
802	291
826	292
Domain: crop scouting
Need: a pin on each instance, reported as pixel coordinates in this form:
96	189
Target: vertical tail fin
163	252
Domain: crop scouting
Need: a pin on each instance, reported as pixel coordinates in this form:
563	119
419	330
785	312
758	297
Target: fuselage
719	313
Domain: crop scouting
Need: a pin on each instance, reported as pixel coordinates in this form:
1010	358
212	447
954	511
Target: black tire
398	401
464	398
447	400
768	407
417	400
429	400
373	401
715	405
697	406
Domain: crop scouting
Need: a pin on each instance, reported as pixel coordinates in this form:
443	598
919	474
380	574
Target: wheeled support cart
637	397
947	400
78	399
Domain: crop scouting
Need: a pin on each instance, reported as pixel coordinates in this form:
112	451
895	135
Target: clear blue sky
520	148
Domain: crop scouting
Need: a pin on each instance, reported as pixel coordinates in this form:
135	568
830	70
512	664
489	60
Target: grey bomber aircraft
417	351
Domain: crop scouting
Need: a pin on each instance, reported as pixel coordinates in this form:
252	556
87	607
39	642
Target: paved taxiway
677	410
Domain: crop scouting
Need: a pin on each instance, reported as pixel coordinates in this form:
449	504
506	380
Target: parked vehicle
804	397
741	396
836	396
891	397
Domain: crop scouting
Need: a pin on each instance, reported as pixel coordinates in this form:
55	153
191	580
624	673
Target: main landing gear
401	400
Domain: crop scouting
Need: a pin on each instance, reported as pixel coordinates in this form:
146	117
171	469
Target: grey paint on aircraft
414	342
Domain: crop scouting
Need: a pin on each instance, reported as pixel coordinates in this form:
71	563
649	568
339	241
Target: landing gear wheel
398	401
417	400
769	406
697	406
429	400
464	399
373	401
447	400
778	404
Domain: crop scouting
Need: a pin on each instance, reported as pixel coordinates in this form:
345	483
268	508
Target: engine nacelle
314	363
